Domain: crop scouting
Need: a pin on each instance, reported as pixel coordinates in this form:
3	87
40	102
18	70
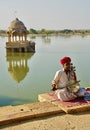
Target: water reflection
46	39
18	65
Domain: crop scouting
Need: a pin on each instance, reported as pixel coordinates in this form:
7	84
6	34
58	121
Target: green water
25	75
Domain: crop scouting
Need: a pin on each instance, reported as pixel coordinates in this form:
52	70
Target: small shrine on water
17	38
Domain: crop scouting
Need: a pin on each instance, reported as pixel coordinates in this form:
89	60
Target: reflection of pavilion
18	65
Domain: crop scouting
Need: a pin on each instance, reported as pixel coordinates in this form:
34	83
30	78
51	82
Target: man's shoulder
59	72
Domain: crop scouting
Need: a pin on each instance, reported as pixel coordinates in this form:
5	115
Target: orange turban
65	60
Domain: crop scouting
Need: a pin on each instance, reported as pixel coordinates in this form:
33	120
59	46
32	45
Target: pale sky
47	14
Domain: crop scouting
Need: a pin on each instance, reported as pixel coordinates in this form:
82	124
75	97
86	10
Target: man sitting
65	82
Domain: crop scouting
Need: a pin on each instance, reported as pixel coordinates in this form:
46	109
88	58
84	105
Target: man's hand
54	87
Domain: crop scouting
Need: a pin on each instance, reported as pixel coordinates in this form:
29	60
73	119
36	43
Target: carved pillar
25	37
12	38
9	38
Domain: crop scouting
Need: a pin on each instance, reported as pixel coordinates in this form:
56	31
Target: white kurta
61	79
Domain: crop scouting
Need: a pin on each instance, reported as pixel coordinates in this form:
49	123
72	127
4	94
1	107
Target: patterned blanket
76	102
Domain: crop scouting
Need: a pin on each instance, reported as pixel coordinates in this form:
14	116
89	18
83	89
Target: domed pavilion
17	38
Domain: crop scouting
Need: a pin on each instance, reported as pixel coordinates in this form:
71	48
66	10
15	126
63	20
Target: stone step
10	114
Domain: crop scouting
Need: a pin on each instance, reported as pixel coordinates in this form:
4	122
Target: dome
18	73
17	26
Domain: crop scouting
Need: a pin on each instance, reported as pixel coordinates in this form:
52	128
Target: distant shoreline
59	34
45	33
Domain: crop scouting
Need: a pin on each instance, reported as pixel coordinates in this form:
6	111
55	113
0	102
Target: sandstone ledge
10	114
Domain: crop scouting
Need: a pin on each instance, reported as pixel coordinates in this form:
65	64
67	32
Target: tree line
56	32
65	31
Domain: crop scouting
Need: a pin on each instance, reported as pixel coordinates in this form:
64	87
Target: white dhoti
64	95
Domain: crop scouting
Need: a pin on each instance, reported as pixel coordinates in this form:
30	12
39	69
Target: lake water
25	75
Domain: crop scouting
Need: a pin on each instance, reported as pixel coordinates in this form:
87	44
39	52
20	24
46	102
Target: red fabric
75	102
65	60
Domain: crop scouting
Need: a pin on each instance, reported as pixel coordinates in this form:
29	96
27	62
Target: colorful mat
76	102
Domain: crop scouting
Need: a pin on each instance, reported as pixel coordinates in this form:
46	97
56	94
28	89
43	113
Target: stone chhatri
17	38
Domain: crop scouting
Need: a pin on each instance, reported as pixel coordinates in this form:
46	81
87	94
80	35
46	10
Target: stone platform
11	114
77	105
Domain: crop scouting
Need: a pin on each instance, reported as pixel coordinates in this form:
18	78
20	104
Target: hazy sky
48	14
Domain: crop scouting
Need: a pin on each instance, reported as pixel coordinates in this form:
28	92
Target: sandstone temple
17	38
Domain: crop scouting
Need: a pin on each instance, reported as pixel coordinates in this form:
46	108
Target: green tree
33	31
2	31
